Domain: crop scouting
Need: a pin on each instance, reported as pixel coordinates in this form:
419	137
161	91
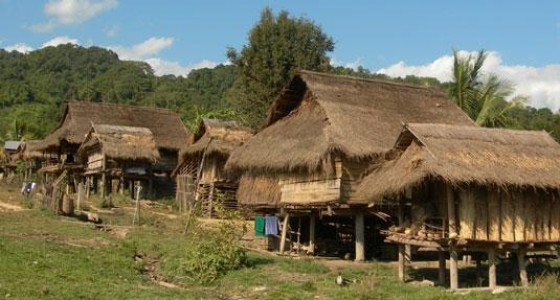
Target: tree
277	46
485	102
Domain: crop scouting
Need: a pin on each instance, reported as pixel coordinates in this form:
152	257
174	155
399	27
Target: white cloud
352	65
541	84
19	47
66	12
76	11
60	40
146	49
164	67
149	49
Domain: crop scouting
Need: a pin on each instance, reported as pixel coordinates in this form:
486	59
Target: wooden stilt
453	269
284	232
492	268
522	268
81	195
360	256
402	263
441	268
311	250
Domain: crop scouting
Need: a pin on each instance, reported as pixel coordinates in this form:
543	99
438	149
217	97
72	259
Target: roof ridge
78	102
372	80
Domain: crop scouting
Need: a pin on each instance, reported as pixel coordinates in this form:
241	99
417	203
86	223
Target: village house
321	134
60	147
121	154
200	176
464	189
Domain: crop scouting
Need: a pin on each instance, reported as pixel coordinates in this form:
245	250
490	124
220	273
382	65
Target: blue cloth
271	225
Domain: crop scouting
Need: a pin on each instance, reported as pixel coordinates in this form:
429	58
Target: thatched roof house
215	137
322	118
458	155
202	164
165	124
121	143
30	149
463	188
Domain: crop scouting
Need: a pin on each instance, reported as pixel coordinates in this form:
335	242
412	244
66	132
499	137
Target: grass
47	256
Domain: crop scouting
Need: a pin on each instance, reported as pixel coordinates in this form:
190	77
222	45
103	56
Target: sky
397	38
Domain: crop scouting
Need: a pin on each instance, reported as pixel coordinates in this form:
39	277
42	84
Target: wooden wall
304	188
352	171
513	216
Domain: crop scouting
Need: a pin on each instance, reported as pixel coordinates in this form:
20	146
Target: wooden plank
493	216
519	211
481	214
554	218
451	213
467	214
508	218
530	215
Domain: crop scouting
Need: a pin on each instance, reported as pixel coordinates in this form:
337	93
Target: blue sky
392	37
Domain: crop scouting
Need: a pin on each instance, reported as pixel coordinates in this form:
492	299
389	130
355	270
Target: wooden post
522	268
103	178
81	195
312	233
492	268
284	232
360	237
441	268
451	213
210	199
453	270
402	263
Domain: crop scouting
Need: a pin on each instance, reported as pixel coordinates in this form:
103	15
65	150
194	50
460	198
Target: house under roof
165	124
319	114
462	155
122	142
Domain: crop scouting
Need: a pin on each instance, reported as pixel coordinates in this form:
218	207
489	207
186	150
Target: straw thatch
319	114
216	137
464	155
121	143
165	125
30	150
258	191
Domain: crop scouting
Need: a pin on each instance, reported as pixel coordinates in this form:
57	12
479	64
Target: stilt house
29	153
121	154
61	145
200	175
470	189
321	134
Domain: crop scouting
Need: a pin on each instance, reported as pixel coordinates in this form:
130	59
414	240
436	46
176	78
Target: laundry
259	226
271	225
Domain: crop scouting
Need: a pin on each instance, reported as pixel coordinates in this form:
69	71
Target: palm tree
485	102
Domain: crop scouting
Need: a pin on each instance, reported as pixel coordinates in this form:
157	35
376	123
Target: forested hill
35	86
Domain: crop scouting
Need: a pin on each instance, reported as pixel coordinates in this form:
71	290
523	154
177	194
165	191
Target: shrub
208	253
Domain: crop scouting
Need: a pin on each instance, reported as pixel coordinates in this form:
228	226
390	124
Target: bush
208	253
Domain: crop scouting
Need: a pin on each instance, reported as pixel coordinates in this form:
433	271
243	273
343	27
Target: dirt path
9	207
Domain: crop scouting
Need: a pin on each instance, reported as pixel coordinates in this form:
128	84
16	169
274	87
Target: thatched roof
319	114
217	137
121	142
30	149
11	146
165	124
464	155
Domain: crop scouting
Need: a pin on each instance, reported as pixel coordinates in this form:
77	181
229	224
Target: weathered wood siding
513	216
95	160
351	172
